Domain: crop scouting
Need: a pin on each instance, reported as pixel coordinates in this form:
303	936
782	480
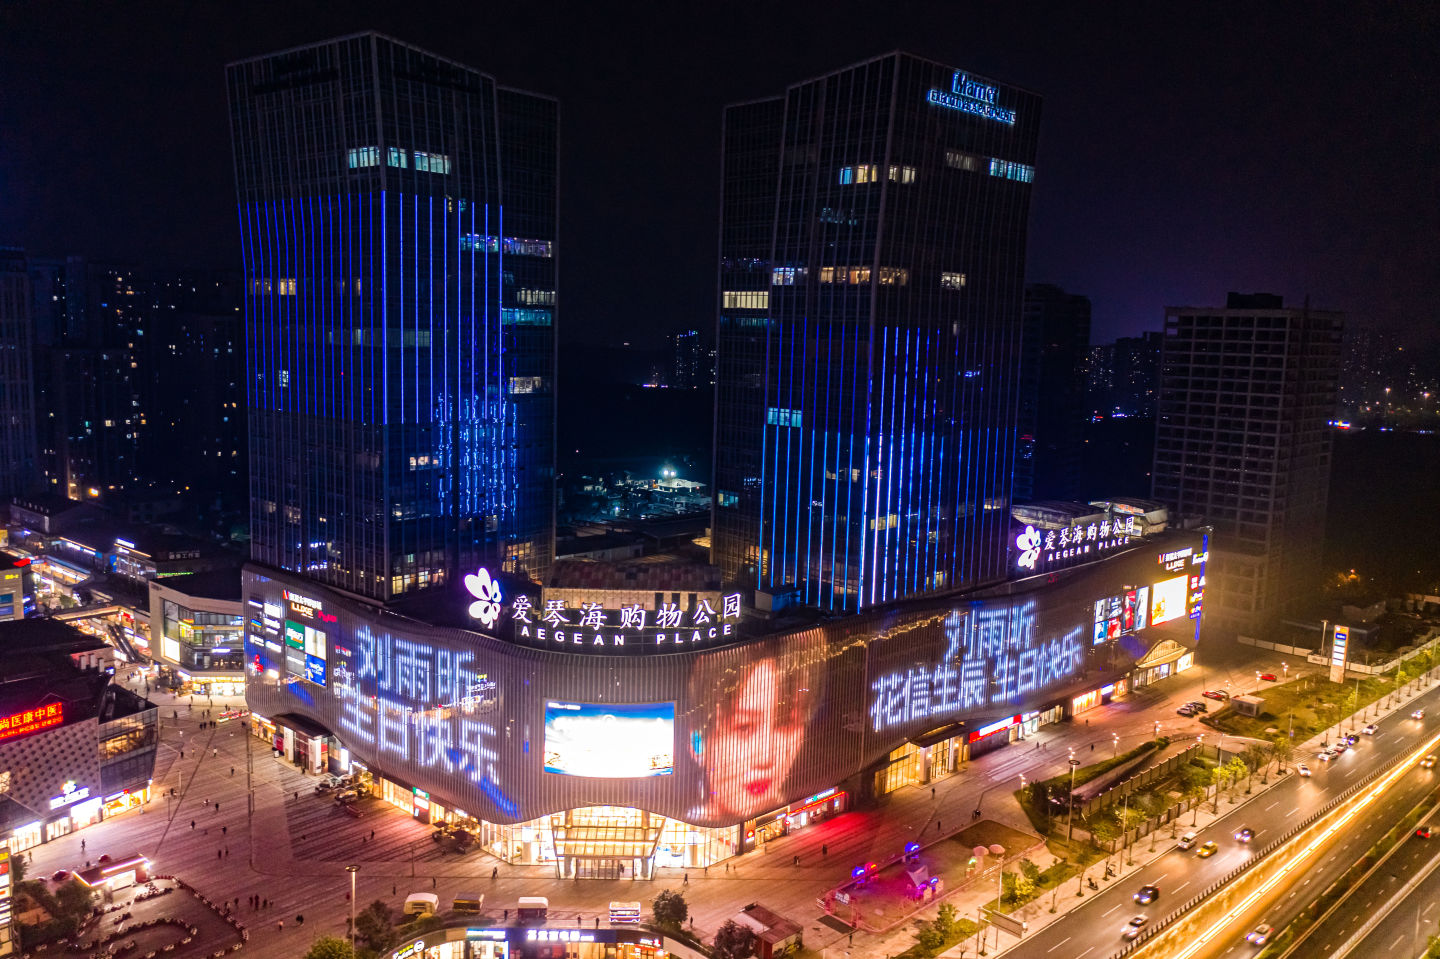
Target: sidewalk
293	850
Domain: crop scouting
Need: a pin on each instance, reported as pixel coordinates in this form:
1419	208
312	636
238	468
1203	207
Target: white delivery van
422	904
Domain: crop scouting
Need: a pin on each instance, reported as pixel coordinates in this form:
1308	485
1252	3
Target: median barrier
1164	925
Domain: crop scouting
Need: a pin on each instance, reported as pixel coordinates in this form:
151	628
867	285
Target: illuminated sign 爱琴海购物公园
29	721
1039	549
994	657
970	96
633	628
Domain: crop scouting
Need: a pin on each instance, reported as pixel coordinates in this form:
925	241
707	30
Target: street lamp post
352	869
1070	818
1125	828
1285	671
1114	745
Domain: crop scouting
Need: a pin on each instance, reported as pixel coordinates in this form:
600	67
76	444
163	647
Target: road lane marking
1272	805
1059	944
1182	886
1112	909
1085	953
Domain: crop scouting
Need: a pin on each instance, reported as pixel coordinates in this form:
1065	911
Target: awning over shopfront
301	724
939	735
1165	651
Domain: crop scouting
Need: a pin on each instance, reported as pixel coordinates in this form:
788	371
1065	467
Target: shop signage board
28	721
7	940
1339	645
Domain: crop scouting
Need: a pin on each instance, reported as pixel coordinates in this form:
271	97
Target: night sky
1186	149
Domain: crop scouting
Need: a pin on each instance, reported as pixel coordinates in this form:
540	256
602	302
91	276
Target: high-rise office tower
398	218
872	252
1242	441
1056	341
18	473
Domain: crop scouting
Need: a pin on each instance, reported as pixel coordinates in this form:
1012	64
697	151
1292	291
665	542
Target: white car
1261	935
1370	730
1302	769
1325	756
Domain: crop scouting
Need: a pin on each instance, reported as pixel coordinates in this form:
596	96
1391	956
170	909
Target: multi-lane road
1093	930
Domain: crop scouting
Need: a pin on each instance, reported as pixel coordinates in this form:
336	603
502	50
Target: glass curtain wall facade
871	283
18	473
398	217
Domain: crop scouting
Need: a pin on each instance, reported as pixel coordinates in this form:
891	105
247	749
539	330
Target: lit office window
364	156
783	417
287	286
398	156
960	160
535	297
432	162
746	299
1011	170
952	281
902	174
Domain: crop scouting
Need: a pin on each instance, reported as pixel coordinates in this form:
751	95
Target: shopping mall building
618	728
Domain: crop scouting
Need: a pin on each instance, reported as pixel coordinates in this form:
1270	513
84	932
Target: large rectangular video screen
609	741
1168	600
1121	615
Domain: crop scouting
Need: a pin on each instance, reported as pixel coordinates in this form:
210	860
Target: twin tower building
870	615
400	228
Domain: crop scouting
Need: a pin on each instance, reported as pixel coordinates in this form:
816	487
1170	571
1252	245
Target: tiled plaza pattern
241	823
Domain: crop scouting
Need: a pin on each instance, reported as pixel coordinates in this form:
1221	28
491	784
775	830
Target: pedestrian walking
494	872
182	754
824	851
392	887
217	807
217	854
432	882
932	792
224	830
232	770
280	925
372	834
687	880
82	845
192	825
797	861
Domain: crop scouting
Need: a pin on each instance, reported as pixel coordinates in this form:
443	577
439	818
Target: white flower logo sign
486	591
1028	542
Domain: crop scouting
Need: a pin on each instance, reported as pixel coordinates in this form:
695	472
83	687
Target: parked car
1423	832
1215	694
1132	928
1268	677
1199	707
1370	730
1302	769
1185	711
1244	834
351	810
1261	935
1147	895
1208	849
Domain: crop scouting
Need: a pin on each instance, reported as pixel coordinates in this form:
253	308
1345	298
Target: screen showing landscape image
609	741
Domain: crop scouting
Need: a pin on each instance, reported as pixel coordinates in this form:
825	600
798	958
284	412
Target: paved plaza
242	823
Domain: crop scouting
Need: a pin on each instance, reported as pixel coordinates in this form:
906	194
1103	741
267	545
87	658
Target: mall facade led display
709	735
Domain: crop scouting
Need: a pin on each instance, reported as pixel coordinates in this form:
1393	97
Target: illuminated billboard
30	721
1120	615
610	741
1168	600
